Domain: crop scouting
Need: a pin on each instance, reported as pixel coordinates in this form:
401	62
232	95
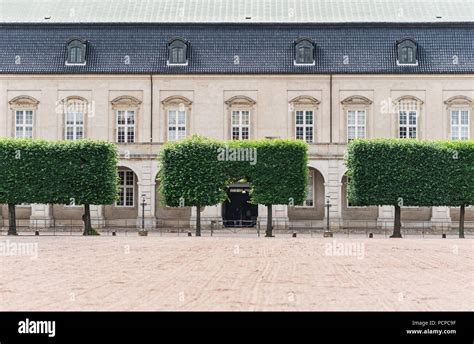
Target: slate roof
261	48
234	11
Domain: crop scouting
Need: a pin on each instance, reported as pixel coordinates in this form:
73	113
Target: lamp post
327	232
143	204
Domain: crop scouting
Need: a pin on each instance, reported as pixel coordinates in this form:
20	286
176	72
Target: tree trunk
198	221
269	231
461	221
11	219
87	220
397	226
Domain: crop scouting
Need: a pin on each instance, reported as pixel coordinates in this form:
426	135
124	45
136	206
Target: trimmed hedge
410	172
197	170
38	171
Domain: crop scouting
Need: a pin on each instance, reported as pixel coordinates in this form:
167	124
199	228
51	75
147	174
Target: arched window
76	52
304	52
406	52
178	52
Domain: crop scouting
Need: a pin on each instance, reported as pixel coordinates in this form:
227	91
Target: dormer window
178	53
406	53
76	52
304	53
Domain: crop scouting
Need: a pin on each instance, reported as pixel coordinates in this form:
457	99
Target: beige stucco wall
208	114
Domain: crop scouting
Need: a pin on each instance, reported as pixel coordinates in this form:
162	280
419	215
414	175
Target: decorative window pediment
24	102
75	104
125	102
240	101
356	100
408	100
176	101
305	100
460	100
76	52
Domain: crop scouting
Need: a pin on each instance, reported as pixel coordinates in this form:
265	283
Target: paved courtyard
235	273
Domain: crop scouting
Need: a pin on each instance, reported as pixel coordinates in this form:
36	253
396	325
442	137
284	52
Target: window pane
309	117
28	117
454	117
403	132
69	118
309	134
361	117
412	118
79	133
464	117
120	117
235	133
19	117
181	133
351	133
129	177
464	133
131	117
299	117
412	132
28	132
131	135
245	133
171	117
360	132
172	133
403	117
19	132
121	134
235	117
299	133
245	117
129	197
351	117
181	117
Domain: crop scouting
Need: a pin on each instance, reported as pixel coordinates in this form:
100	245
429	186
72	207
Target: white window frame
75	126
304	126
459	126
240	126
356	124
126	127
176	125
23	125
123	187
408	126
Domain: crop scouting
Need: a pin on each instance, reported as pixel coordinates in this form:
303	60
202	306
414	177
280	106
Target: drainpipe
151	108
330	108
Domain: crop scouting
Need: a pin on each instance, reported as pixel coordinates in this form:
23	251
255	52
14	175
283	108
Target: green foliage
416	173
38	171
197	171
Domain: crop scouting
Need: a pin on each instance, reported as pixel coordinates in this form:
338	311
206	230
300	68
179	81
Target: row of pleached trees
196	172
